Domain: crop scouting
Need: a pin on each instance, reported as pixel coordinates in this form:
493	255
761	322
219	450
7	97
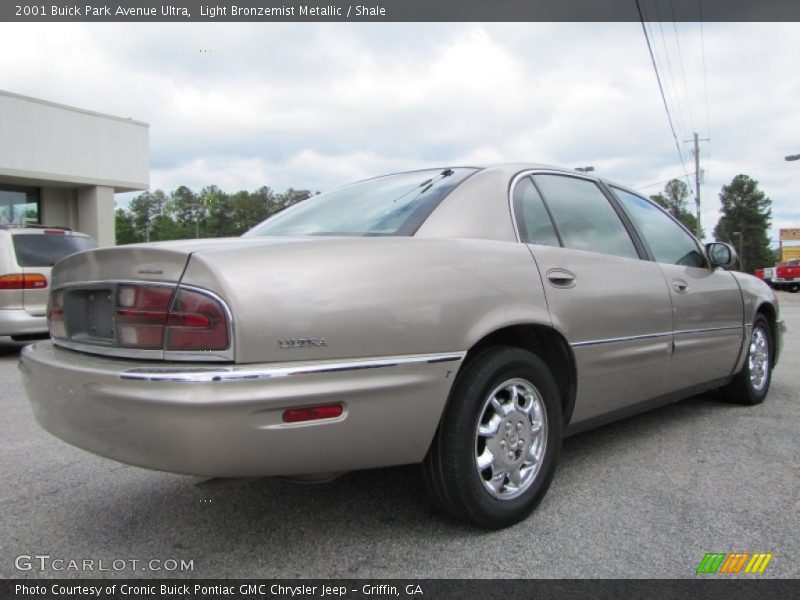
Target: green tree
675	199
143	208
210	213
125	228
746	209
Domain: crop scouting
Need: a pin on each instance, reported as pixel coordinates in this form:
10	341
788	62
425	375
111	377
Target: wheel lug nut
519	426
510	456
502	443
521	444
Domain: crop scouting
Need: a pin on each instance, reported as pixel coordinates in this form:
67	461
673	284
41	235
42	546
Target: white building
61	165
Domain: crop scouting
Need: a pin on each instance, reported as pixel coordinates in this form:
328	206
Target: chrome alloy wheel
758	359
510	438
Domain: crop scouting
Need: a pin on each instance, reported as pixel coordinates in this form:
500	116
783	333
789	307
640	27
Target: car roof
512	168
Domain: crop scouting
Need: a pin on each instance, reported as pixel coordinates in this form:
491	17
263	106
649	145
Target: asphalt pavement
646	497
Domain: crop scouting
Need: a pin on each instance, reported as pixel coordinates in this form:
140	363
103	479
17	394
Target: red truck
787	276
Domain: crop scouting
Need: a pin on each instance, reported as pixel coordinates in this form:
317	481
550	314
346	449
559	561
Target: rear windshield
390	205
44	250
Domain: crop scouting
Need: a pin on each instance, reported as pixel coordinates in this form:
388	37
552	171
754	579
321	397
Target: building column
59	207
96	214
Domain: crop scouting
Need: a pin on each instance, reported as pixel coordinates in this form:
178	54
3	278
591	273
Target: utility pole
696	142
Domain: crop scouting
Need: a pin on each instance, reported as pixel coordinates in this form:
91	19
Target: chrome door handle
562	278
680	286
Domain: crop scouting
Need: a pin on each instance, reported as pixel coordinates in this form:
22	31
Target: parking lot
645	497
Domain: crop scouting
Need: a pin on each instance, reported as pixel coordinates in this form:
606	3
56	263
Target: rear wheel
794	288
495	452
751	384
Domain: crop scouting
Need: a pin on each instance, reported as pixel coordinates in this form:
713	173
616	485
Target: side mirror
721	254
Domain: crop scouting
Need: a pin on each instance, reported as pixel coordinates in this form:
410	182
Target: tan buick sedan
465	318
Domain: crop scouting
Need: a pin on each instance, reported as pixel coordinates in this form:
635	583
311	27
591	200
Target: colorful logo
735	562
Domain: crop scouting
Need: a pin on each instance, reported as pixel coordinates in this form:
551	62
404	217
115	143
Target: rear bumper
227	421
19	322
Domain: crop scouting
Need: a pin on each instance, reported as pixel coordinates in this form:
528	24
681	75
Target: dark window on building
19	205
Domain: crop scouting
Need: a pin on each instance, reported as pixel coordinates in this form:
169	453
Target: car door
612	306
707	304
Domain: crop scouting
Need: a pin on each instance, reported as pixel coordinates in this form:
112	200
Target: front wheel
495	452
794	288
751	384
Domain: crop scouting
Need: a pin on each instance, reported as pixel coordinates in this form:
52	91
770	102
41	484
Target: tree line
183	214
745	222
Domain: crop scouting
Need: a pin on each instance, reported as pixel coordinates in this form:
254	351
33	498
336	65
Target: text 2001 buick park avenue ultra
465	318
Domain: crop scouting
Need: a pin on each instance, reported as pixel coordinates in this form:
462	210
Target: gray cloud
318	105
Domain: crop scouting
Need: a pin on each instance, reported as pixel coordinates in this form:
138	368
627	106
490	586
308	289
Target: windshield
390	205
42	250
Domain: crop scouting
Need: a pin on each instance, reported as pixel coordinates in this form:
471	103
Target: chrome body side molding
263	372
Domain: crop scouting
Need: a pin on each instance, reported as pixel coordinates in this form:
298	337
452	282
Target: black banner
733	588
400	10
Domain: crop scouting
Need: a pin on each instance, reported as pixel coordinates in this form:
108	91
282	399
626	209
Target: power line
649	185
676	104
683	70
705	76
661	90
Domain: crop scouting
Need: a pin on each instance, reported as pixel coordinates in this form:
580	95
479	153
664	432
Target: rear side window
584	216
667	240
533	222
43	250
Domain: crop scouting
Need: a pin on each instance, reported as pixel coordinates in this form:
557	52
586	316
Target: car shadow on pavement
9	347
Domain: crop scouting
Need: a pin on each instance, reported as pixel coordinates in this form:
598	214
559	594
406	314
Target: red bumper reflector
312	413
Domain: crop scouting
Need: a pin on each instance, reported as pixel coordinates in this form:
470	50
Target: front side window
533	222
390	205
584	216
667	240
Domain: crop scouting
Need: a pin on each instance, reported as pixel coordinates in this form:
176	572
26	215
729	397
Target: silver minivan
27	256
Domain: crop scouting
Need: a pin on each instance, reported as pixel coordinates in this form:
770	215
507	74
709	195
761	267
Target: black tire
744	388
521	382
794	288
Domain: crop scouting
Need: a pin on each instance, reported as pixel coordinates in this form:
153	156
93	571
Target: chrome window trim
631	338
226	355
528	173
267	372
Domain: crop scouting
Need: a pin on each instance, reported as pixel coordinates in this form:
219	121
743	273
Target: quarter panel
370	296
478	208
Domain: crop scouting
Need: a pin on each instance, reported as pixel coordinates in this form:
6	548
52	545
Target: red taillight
196	322
312	413
145	320
141	316
27	281
55	232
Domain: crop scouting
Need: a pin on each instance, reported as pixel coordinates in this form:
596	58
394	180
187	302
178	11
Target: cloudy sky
319	105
